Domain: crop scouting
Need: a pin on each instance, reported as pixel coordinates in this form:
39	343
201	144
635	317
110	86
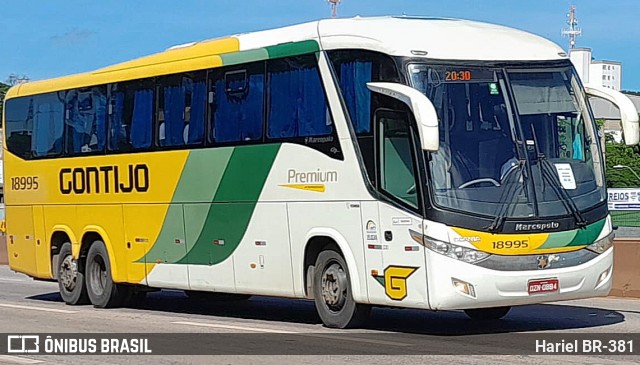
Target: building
607	72
599	73
603	73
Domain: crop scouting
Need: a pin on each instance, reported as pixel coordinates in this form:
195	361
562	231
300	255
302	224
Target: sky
49	38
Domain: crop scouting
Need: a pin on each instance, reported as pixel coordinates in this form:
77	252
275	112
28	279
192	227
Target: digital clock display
468	75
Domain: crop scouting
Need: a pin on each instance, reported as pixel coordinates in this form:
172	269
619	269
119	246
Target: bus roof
433	38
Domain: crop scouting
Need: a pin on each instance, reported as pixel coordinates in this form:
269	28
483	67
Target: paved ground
32	306
4	260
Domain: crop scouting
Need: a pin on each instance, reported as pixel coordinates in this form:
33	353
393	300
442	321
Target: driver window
396	157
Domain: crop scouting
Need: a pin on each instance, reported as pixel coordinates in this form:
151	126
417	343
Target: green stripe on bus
244	56
246	173
234	203
292	49
199	182
166	249
558	239
202	175
588	235
576	237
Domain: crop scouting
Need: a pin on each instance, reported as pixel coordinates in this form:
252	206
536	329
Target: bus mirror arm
628	111
423	110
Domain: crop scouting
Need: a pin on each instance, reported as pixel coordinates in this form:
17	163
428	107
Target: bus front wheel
332	293
487	313
103	292
71	280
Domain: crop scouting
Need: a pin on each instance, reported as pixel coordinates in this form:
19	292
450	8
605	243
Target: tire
103	292
487	313
71	279
336	306
205	296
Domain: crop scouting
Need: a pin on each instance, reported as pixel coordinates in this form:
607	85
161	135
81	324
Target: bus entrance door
403	274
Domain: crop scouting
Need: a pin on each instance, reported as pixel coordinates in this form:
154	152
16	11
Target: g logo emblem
395	281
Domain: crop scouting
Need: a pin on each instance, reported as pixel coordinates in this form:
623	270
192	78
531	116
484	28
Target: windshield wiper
547	172
498	221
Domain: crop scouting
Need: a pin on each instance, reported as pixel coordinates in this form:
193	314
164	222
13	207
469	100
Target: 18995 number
24	183
499	245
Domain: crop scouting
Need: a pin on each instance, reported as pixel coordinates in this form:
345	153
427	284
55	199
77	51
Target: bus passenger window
181	109
34	125
85	120
132	107
354	68
47	126
353	83
297	103
19	125
238	104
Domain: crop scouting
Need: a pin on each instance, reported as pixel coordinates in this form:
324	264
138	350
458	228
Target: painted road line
11	280
8	359
225	326
37	308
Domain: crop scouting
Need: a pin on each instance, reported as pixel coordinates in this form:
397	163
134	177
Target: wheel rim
68	274
334	286
98	275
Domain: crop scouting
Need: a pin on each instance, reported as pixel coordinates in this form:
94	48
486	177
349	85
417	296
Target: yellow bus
394	161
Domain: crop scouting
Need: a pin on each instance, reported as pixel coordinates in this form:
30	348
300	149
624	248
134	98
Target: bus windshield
513	142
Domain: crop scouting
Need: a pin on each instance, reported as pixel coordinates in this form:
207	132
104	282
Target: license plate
543	286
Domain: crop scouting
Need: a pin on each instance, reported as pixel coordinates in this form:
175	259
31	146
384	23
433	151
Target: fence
625	218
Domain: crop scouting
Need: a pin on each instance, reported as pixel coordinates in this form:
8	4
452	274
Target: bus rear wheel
103	292
71	282
332	293
487	313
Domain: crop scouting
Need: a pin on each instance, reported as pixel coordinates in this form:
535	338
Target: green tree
621	154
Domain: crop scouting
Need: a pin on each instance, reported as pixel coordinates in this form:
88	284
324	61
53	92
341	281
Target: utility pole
17	79
334	7
573	31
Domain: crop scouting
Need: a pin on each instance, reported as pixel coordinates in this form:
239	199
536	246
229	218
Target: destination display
468	75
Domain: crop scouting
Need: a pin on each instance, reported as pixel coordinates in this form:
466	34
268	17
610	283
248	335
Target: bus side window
354	68
85	120
132	115
19	125
181	109
47	125
238	104
297	103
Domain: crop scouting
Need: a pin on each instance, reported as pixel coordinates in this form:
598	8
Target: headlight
465	254
602	245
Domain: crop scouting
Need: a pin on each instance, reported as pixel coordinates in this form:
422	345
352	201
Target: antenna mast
334	7
573	31
17	79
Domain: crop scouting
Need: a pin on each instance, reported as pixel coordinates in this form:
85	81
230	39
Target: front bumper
494	288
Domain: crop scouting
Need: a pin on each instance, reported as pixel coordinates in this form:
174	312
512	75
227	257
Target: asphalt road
261	326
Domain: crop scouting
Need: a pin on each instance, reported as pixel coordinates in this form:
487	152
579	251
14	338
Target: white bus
396	161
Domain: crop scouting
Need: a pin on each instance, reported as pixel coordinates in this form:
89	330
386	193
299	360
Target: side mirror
423	110
628	111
